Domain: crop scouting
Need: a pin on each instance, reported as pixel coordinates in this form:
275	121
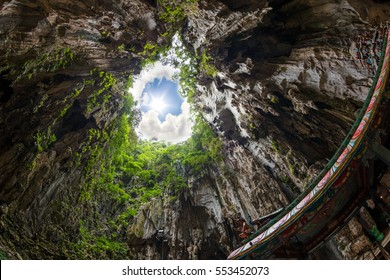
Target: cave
272	89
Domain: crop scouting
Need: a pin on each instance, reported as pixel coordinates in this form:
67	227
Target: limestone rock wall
51	56
286	93
199	224
285	86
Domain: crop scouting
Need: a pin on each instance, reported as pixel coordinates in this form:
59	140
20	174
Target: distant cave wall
287	92
199	224
287	78
51	56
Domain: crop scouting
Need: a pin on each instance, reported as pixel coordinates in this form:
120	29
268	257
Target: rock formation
285	95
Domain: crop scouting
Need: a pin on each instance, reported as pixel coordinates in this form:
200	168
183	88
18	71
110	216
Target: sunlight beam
158	104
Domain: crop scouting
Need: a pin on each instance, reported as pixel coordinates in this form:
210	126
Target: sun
158	104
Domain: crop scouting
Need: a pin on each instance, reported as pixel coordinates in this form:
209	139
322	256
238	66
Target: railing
334	167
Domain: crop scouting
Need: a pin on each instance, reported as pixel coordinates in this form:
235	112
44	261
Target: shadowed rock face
286	94
43	93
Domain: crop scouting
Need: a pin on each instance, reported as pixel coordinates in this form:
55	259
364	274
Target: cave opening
160	140
164	113
161	98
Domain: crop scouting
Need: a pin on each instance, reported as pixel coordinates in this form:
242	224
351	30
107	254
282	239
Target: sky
162	96
165	114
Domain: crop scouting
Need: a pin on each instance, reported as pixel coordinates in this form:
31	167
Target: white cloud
155	71
173	129
146	98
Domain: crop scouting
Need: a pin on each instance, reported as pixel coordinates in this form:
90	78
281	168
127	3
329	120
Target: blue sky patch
161	96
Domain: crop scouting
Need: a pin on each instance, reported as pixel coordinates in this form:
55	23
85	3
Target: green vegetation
285	179
105	33
134	172
289	162
291	167
188	72
43	140
274	100
163	167
31	166
173	12
90	246
144	169
121	48
52	61
152	53
41	102
126	171
150	50
131	172
103	81
275	146
129	85
205	66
